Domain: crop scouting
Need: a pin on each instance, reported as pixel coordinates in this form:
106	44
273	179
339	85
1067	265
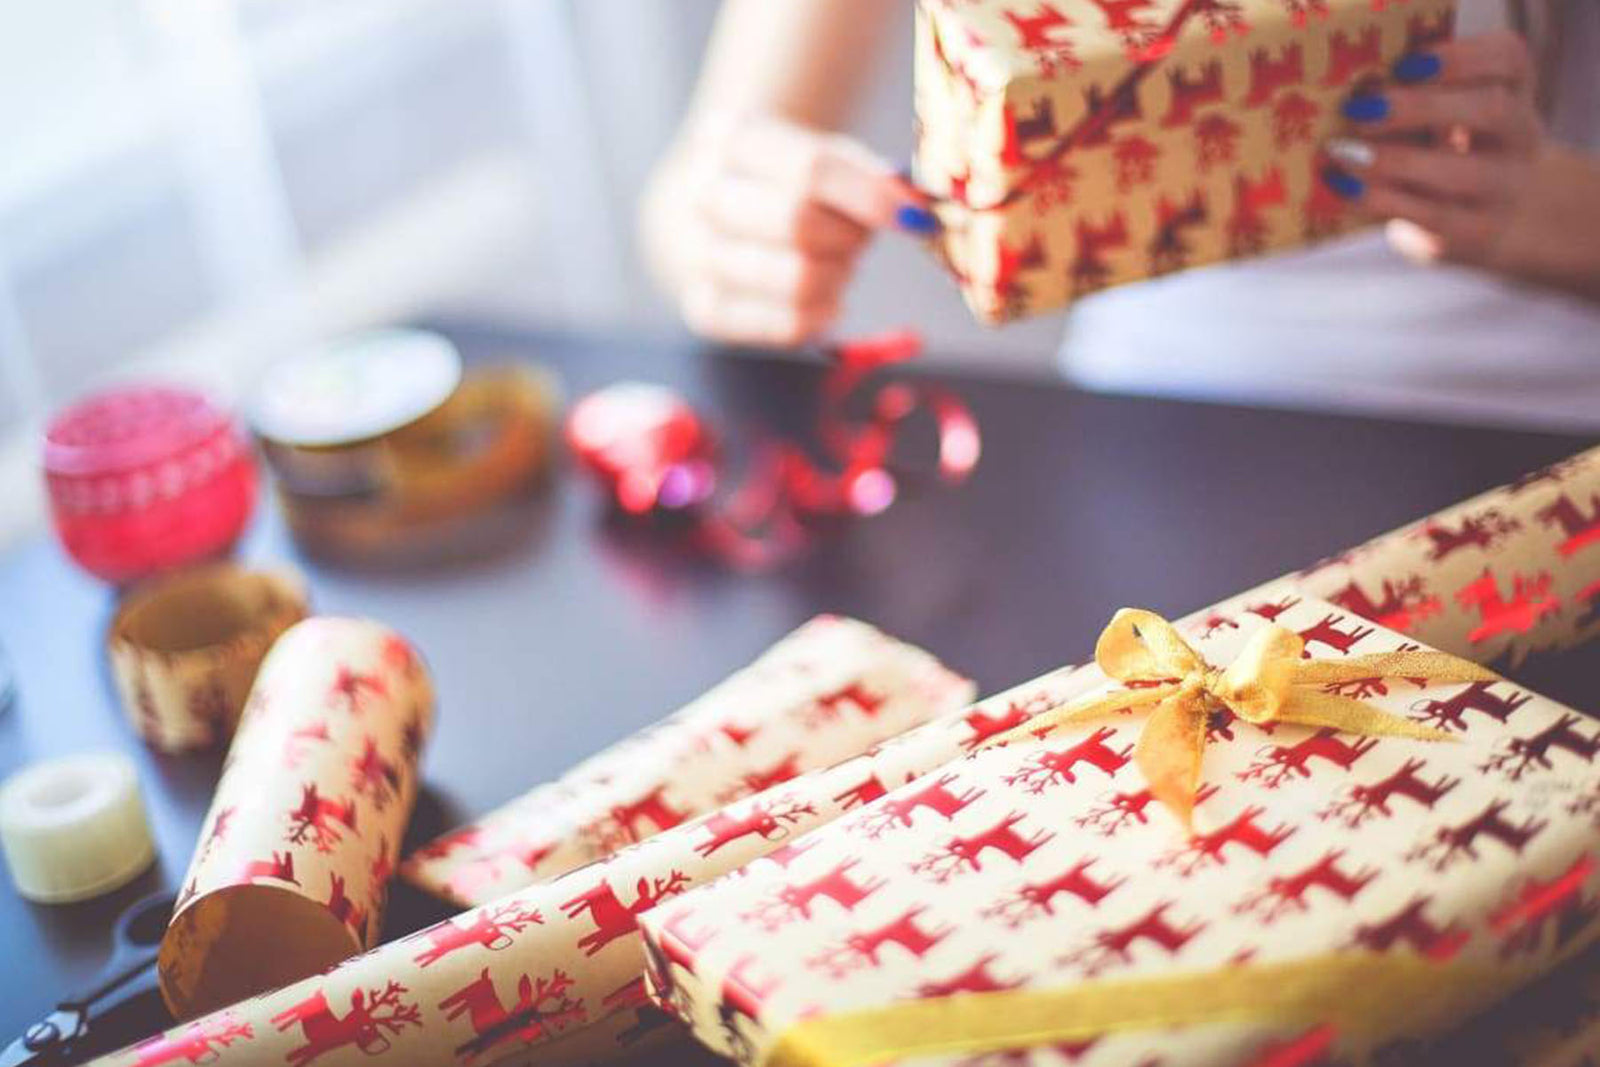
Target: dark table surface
574	628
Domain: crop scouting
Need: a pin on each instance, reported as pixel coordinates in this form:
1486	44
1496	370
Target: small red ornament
646	444
147	478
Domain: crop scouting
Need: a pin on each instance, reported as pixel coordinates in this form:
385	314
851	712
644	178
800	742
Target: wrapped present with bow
1236	845
1073	146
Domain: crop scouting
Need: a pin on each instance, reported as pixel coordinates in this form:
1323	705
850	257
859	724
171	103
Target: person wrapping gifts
1479	297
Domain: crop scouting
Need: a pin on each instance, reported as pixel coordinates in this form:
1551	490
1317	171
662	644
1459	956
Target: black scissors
59	1037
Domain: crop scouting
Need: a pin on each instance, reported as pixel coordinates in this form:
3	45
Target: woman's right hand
755	226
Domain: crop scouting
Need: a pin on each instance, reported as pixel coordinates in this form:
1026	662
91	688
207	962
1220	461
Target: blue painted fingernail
1417	67
1366	107
913	218
1346	185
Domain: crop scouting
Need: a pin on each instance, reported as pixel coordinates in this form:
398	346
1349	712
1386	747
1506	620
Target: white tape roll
74	828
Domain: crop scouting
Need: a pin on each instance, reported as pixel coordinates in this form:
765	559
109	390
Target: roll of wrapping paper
542	964
184	648
292	869
489	440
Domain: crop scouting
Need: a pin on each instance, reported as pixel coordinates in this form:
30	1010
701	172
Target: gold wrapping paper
1076	146
184	649
291	872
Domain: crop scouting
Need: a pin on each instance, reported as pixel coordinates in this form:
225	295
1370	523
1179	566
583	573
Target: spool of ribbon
656	455
1271	681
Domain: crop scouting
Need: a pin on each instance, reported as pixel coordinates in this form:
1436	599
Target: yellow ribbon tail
1168	754
1067	714
1434	666
1310	708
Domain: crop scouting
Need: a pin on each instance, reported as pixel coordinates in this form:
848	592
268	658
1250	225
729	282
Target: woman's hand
755	226
1457	157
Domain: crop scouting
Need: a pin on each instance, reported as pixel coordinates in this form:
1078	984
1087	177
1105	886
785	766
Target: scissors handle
135	942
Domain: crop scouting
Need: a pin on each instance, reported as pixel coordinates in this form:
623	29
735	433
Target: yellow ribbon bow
1271	681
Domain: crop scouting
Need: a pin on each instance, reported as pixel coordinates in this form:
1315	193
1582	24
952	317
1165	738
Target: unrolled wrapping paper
291	872
827	691
1044	864
1076	146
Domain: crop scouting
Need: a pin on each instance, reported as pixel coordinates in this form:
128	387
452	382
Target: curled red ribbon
654	454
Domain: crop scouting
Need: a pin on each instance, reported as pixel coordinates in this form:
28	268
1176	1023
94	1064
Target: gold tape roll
489	440
184	648
292	869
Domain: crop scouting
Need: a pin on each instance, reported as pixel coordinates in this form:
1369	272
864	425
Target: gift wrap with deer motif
292	869
1072	146
832	688
1352	891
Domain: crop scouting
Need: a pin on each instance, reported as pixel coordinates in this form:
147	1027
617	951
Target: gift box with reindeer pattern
1073	146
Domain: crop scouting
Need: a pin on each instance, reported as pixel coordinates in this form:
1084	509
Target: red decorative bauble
646	444
146	478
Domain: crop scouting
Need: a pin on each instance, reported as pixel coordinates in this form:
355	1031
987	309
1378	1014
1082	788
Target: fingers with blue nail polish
1366	107
1414	67
1345	185
915	219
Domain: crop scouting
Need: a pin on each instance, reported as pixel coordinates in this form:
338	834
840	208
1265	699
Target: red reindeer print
1411	927
1214	624
542	1008
280	867
830	707
198	1042
1284	895
400	657
343	908
984	726
1293	119
1119	109
491	928
1450	843
936	797
322	820
1021	131
965	853
1278	763
1191	92
1010	261
1581	529
1117	810
1049	768
1371	800
1038	32
763	819
1036	899
652	807
1400	606
863	792
612	918
1450	714
760	780
975	979
373	775
300	740
1484	531
1216	139
1247	226
1349	57
352	690
862	950
1269	73
374	1016
793	902
1219	725
1115	945
1222	17
1326	632
1169	247
1203	849
1123	18
1271	609
1090	269
1135	157
1519	755
219	828
788	852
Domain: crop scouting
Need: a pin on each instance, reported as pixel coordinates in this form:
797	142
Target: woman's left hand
1453	149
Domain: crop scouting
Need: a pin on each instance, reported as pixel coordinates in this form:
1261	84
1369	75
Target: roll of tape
185	647
74	828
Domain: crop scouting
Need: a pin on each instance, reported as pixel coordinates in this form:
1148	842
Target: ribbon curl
1271	681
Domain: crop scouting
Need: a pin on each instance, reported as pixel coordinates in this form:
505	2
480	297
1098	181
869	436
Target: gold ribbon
1269	682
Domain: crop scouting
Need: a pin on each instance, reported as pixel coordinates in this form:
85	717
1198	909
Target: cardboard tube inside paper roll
291	872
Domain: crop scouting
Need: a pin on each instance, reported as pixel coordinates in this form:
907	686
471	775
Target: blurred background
190	186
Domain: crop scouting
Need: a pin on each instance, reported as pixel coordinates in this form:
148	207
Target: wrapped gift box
832	688
1076	146
1043	863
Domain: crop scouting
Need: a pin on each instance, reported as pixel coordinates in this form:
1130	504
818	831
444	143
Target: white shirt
1352	325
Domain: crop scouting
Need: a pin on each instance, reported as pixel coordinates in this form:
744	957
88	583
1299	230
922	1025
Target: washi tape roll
292	869
184	648
74	828
380	438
